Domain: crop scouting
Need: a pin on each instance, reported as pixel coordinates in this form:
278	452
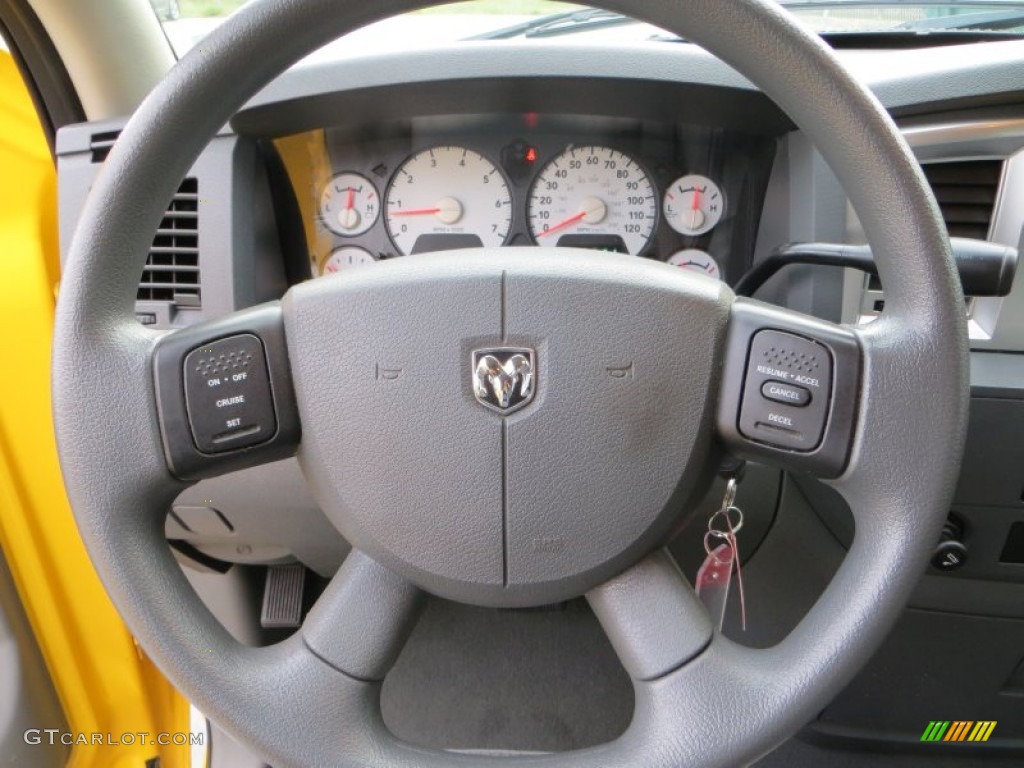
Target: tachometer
593	197
447	197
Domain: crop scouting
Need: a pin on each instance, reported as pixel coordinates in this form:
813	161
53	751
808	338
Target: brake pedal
282	597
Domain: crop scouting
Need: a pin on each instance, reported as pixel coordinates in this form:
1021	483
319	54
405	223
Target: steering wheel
611	386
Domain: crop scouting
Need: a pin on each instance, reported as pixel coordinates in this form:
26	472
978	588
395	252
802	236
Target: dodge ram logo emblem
504	377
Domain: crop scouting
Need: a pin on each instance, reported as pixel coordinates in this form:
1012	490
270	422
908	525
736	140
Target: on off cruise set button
228	395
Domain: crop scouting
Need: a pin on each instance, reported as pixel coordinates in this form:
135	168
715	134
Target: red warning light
531	155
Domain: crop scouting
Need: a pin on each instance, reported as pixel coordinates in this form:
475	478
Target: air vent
966	191
172	269
100	145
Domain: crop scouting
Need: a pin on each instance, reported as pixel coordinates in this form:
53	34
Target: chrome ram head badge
504	377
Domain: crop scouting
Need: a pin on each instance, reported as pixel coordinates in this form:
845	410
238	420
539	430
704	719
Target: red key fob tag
713	581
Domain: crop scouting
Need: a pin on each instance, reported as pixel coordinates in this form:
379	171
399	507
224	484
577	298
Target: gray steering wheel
573	492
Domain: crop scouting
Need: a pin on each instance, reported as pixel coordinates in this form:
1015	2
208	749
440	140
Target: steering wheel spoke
363	618
790	387
652	617
224	394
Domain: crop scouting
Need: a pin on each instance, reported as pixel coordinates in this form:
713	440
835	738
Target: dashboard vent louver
100	145
966	191
172	269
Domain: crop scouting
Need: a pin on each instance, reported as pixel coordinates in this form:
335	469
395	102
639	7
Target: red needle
351	199
696	198
416	212
563	224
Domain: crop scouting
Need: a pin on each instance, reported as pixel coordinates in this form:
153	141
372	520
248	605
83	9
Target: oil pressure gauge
349	204
693	205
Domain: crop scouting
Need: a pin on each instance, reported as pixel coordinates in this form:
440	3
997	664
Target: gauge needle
594	211
563	224
696	215
448	211
417	212
348	216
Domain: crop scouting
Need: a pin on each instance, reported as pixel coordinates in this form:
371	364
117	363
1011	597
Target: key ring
725	518
712	552
723	557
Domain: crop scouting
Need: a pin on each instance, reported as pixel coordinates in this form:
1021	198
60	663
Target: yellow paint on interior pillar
104	683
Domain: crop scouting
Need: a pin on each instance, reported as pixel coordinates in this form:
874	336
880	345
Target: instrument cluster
685	195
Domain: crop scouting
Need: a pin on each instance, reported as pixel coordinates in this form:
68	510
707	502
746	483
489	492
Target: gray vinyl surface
476	678
485	679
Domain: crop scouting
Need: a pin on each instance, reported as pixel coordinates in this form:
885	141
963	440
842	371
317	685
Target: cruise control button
228	396
785	393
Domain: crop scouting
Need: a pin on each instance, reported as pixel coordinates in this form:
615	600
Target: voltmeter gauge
696	260
349	204
345	258
693	205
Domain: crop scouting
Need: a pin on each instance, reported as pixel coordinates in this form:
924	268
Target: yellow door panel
106	685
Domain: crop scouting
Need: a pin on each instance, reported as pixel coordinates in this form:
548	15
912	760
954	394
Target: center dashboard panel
684	194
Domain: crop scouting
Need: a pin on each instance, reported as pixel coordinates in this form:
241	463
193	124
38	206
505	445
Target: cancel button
785	393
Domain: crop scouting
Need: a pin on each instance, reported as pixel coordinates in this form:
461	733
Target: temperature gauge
696	260
345	258
349	204
693	205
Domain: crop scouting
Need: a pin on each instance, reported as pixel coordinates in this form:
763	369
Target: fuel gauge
345	258
696	260
349	204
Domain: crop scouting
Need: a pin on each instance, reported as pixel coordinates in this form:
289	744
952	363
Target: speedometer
593	197
445	198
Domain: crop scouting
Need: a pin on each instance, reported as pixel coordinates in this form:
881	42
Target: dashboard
675	192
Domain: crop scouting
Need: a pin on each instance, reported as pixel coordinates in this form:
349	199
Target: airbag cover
524	506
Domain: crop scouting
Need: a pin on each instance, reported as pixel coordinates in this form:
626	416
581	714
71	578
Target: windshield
187	21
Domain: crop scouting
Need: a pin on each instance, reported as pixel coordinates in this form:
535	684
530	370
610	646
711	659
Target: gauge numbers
593	197
445	198
349	205
693	205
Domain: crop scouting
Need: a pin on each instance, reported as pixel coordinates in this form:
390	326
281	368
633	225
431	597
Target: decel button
786	393
227	392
